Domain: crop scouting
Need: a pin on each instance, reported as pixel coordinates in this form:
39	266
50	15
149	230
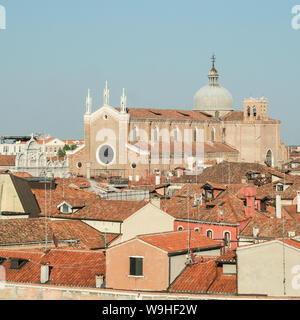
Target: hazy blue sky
159	50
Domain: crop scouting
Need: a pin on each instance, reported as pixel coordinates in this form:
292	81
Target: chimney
278	206
100	281
45	273
255	232
157	180
298	201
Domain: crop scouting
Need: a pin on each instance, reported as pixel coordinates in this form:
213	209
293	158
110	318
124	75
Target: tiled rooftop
178	241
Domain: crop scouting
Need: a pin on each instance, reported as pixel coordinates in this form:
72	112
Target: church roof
143	113
233	116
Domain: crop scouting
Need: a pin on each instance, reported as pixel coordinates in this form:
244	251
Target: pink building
152	262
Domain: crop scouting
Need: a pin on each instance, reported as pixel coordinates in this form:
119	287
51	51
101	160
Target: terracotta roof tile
142	113
68	267
7	160
94	207
32	232
196	277
178	241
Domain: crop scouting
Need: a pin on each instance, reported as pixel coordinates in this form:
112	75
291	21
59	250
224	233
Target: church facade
135	142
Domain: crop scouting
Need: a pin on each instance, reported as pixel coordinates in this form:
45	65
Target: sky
159	51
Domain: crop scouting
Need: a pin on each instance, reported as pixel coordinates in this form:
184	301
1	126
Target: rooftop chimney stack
45	273
278	206
298	201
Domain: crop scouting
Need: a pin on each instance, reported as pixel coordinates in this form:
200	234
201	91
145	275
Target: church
135	142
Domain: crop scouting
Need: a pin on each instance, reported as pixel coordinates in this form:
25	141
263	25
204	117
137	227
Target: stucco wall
261	269
9	198
149	219
155	267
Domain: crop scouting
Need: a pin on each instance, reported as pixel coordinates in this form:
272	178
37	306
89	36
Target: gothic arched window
248	111
155	134
209	234
176	134
213	132
134	134
269	158
227	239
254	111
195	134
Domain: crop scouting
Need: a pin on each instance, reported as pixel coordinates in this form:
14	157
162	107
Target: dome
213	97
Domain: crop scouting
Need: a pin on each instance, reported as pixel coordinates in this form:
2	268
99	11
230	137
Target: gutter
181	252
209	222
40	242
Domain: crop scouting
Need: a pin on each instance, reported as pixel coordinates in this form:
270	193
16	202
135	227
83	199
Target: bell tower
255	109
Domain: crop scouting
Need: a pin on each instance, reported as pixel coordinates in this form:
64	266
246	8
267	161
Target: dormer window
279	187
17	264
65	208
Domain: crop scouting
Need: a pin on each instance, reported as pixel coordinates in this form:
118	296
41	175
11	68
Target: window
65	208
176	131
195	134
254	111
209	234
180	228
248	111
79	165
134	134
213	131
269	158
17	264
136	266
279	187
197	229
155	134
227	239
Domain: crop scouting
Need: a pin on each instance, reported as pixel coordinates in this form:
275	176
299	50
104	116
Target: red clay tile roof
196	277
228	208
188	115
94	209
233	116
228	173
22	174
291	210
68	267
30	272
7	160
78	182
270	228
229	256
224	284
75	268
292	243
204	277
32	232
178	241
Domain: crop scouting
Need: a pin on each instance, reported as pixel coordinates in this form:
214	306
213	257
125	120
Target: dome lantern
213	97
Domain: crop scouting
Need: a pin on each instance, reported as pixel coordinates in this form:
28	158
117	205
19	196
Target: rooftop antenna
46	222
283	249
